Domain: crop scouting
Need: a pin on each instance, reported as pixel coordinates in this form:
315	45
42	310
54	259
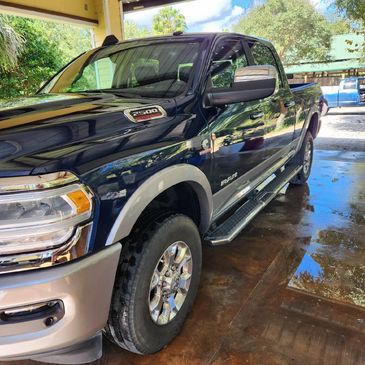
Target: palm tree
11	45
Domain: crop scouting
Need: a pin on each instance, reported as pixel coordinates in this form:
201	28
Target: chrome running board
233	225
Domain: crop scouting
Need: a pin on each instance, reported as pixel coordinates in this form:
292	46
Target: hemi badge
145	114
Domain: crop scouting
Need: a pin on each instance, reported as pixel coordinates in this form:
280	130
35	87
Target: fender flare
313	110
154	186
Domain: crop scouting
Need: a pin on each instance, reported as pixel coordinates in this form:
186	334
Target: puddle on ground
333	261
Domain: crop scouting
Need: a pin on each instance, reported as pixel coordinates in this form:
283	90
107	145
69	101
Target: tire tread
122	334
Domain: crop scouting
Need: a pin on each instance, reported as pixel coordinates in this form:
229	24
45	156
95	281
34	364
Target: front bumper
84	289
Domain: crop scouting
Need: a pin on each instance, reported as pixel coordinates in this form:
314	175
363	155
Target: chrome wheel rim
170	283
307	158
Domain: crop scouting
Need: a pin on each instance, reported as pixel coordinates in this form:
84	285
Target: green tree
298	31
48	46
352	9
340	26
11	45
353	12
168	20
133	31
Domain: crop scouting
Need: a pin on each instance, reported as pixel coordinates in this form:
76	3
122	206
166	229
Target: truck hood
56	131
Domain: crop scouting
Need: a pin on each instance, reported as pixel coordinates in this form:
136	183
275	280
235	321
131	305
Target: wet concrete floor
290	289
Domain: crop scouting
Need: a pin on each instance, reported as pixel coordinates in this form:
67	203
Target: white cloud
201	11
321	5
215	26
206	15
237	11
142	17
316	3
225	22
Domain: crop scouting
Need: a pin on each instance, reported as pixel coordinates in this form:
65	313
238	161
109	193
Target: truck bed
301	86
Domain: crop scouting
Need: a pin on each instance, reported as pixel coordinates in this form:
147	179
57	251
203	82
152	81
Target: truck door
348	93
279	109
237	130
361	82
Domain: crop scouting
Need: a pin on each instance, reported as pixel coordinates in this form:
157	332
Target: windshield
160	70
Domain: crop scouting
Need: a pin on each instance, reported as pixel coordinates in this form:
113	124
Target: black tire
301	159
130	324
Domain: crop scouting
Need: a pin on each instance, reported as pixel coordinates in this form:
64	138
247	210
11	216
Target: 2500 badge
145	114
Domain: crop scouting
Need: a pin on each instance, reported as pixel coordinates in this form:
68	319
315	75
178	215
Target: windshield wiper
110	91
96	91
125	94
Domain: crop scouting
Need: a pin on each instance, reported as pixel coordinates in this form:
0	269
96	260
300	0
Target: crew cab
117	171
349	93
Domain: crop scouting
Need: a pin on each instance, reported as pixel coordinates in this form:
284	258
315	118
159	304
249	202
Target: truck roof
203	35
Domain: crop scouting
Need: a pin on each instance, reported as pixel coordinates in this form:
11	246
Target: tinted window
97	75
156	70
262	55
228	56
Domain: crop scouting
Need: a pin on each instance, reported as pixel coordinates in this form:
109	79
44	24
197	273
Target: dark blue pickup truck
117	170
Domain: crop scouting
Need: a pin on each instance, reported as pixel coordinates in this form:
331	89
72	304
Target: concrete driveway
343	129
291	288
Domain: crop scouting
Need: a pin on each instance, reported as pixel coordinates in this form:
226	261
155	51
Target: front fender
153	187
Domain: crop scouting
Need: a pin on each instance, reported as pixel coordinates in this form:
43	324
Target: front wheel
304	158
156	284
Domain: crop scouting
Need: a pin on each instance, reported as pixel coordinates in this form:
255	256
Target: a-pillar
110	15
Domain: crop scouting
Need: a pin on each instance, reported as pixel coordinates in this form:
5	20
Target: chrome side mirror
250	83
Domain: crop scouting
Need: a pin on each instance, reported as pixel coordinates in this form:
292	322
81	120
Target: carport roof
326	67
133	5
346	54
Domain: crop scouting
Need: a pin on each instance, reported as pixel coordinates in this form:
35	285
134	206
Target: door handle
289	104
256	115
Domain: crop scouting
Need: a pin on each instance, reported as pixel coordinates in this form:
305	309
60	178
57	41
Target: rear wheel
156	284
304	158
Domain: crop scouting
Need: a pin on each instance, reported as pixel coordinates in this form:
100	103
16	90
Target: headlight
37	220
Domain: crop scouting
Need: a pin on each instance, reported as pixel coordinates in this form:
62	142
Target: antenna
110	40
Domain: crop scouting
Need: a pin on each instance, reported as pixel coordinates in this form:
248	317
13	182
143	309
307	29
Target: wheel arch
156	185
314	125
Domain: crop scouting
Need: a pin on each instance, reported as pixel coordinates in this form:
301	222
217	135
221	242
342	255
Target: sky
209	15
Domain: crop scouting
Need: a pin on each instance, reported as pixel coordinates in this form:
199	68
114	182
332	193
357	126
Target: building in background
346	59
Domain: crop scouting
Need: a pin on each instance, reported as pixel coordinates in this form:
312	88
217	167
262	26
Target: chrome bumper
83	291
